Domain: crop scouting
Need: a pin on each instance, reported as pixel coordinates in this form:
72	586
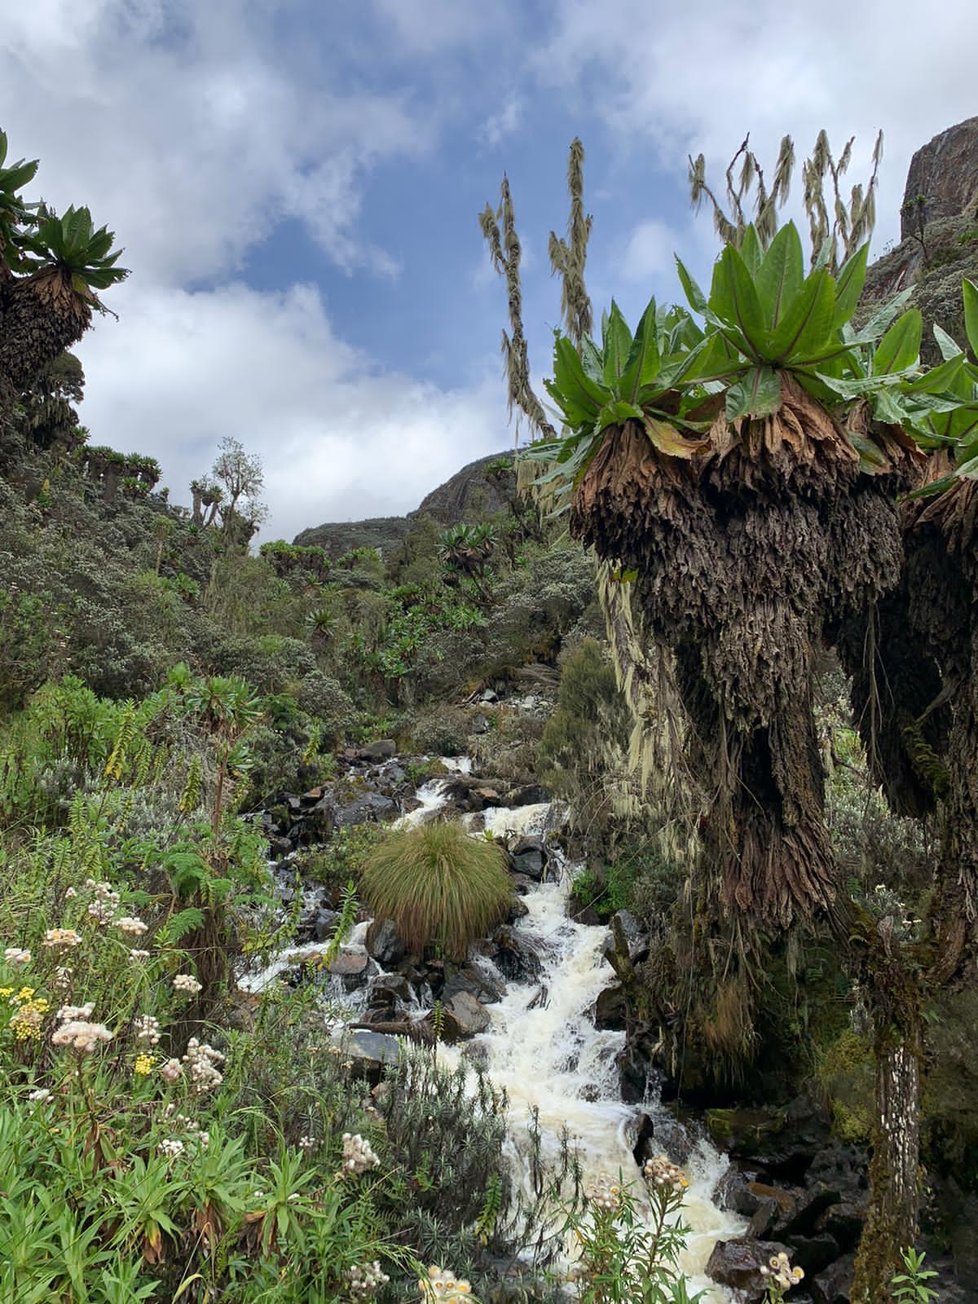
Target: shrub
438	885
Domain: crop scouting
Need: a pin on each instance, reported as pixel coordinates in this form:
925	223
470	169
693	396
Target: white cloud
649	252
498	126
195	146
339	440
700	75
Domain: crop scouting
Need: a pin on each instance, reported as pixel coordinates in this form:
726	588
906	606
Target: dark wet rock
479	724
814	1253
518	909
384	943
834	1284
843	1222
466	978
774	1207
514	954
523	883
964	1244
369	808
610	1009
389	995
464	1016
527	794
529	857
734	1191
583	914
324	924
737	1264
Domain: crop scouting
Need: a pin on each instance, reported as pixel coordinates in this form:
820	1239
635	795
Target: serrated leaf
591	360
781	275
900	346
758	394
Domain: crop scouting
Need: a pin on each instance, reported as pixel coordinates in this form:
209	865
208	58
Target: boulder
464	1016
367	1052
529	858
368	808
737	1264
384	943
514	954
834	1284
466	978
610	1009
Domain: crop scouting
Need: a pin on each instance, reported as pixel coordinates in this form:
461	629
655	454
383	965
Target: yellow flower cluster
143	1065
26	1021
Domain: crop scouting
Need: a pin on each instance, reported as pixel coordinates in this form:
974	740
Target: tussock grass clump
438	885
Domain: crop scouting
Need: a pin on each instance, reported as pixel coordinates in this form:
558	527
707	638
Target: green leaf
733	299
571	379
881	319
751	251
781	274
643	359
591	360
948	346
694	295
900	346
616	344
970	293
615	413
806	327
849	284
758	394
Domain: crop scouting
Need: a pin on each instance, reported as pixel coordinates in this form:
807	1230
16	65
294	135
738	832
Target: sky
296	184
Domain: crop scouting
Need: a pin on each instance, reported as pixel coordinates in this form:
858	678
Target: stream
541	1045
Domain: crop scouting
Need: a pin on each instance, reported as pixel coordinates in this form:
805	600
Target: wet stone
465	1015
737	1264
384	943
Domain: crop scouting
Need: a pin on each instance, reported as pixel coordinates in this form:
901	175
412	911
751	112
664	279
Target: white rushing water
545	1051
542	1046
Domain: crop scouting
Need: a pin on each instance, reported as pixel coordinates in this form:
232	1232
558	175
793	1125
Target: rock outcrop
468	497
939	235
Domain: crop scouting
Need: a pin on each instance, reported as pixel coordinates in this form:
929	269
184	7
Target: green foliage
589	729
624	1258
910	1286
72	245
438	885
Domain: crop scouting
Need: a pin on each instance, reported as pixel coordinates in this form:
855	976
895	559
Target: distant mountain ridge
468	496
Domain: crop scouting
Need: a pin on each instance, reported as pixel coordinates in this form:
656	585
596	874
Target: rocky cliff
470	495
939	230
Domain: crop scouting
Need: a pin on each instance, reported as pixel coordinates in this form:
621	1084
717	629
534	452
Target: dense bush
439	886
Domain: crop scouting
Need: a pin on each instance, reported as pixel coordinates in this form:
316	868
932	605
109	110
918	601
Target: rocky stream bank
538	1005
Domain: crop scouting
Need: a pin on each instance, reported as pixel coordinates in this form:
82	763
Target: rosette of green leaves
72	245
14	212
945	400
627	377
765	316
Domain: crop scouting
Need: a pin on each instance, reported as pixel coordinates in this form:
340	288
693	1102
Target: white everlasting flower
61	937
137	954
661	1172
171	1070
366	1279
202	1061
358	1154
171	1148
80	1035
307	1143
69	1012
40	1094
147	1029
186	982
17	955
129	924
63	977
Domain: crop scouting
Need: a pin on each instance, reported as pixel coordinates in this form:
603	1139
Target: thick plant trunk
891	1223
